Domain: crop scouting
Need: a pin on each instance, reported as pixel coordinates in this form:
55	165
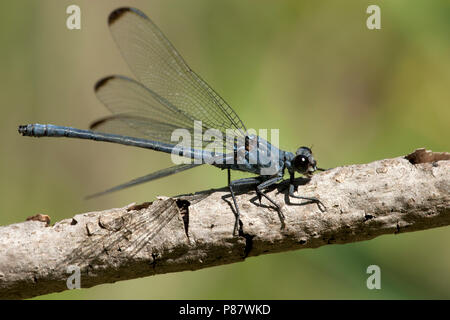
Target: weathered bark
195	231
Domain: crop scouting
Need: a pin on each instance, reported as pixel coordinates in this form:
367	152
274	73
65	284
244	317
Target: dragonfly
169	95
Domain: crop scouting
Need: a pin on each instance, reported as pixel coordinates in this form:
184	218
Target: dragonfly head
304	162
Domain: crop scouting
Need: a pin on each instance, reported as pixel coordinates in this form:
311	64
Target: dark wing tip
98	122
100	83
118	13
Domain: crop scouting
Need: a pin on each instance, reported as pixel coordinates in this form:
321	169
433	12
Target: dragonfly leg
239	183
236	223
260	192
309	199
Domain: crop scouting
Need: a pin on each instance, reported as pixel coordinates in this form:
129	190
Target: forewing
159	67
138	112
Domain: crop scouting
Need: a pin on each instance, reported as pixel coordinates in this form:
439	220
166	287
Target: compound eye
301	163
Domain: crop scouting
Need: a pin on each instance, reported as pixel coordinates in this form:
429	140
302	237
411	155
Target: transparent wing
139	112
150	177
160	68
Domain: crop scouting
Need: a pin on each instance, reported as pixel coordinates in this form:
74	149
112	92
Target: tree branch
195	231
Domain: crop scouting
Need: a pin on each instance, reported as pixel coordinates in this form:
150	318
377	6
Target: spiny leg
260	192
238	183
309	199
236	223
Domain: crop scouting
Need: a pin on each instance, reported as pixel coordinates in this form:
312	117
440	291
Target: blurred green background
310	68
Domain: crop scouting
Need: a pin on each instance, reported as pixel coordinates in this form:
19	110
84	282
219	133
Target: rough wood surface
195	231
